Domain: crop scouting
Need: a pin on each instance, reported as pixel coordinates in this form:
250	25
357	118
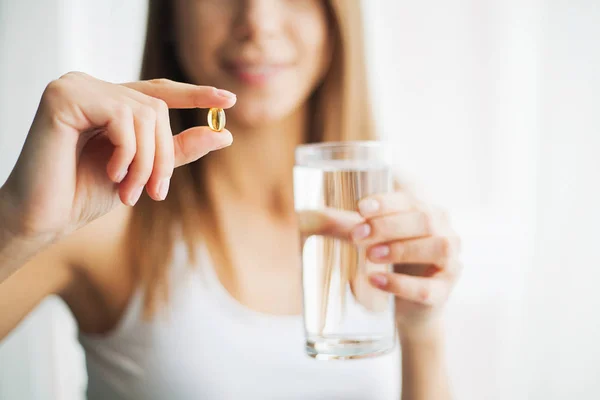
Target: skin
115	140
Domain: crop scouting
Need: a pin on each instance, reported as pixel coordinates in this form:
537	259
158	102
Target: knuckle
57	89
160	81
74	75
122	112
180	148
377	230
146	114
187	149
159	106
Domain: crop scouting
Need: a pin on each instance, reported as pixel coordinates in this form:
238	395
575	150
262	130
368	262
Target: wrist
9	229
14	230
15	246
424	332
15	225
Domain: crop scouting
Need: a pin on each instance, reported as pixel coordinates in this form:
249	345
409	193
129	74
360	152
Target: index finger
327	222
184	95
386	203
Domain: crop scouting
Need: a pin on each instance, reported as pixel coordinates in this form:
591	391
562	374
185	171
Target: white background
492	107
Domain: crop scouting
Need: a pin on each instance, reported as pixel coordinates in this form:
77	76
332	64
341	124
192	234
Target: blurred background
493	107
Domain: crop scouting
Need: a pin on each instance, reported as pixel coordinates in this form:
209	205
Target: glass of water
344	315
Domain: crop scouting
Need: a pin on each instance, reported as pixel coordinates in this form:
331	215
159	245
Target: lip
255	73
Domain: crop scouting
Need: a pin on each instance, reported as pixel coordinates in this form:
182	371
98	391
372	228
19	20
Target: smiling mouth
255	73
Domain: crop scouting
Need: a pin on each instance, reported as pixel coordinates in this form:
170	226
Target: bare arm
424	375
91	146
24	284
15	249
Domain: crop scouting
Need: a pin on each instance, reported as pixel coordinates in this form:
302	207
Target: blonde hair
340	111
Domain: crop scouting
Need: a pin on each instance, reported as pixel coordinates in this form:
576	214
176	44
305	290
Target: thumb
198	141
328	222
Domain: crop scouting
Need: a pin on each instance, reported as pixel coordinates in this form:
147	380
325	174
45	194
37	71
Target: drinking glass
345	316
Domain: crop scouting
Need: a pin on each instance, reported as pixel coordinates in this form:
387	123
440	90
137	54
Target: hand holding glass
344	315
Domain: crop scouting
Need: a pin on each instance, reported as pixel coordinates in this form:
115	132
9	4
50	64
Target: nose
258	19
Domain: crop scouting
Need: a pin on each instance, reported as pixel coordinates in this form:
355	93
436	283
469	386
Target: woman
151	326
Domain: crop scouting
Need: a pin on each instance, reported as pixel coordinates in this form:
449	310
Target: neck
257	169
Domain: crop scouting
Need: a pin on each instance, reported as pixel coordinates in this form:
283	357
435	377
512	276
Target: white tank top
204	344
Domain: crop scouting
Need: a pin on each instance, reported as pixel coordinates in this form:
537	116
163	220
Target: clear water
344	315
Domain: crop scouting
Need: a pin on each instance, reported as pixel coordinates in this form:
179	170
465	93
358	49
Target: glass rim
311	153
340	144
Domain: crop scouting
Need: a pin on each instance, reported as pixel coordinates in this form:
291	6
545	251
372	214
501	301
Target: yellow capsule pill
216	119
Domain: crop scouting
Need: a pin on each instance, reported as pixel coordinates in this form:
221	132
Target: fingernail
226	94
380	251
121	175
380	281
163	188
361	232
135	195
368	206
